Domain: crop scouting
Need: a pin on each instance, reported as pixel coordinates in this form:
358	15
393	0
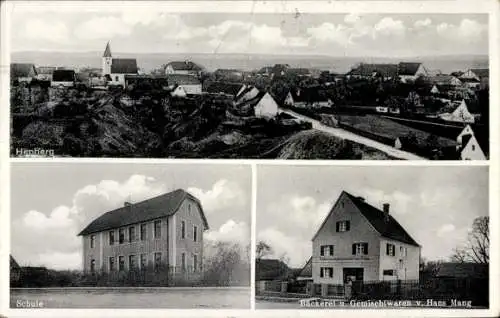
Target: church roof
107	51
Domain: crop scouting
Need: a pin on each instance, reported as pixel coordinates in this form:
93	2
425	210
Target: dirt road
344	134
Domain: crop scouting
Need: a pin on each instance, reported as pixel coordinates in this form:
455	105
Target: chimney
127	203
386	207
361	198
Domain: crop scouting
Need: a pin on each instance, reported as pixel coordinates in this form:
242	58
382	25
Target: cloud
329	32
292	248
351	18
102	28
230	232
389	27
445	229
53	31
224	194
48	238
419	24
400	202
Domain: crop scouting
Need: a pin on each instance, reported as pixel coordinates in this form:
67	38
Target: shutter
347	225
331	250
353	249
337	226
394	250
321	272
387	249
365	248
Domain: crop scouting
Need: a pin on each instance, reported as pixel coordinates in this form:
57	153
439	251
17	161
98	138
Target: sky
154	30
436	205
52	203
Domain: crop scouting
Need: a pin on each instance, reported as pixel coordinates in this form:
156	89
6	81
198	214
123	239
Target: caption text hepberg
24	152
386	303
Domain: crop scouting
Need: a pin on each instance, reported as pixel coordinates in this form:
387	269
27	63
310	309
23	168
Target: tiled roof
124	66
306	271
13	263
225	88
22	70
154	208
389	228
386	70
481	72
182	79
405	68
308	95
63	76
254	101
185	66
270	269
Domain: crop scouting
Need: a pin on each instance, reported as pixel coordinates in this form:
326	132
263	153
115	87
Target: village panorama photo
114	235
150	82
336	237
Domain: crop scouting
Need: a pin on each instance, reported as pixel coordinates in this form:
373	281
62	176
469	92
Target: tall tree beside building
477	248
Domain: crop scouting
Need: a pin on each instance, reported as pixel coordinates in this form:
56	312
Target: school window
343	226
111	237
390	249
157	229
326	250
183	261
92	265
157	260
183	229
360	249
326	272
121	236
388	272
189	209
195	263
144	260
143	232
121	263
116	78
112	264
132	262
195	233
131	234
92	241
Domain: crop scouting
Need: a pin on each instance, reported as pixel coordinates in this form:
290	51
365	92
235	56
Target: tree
477	248
262	249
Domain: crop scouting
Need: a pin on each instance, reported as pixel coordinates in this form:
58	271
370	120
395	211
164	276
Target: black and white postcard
130	236
149	82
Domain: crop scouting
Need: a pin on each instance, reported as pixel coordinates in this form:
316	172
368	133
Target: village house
248	93
44	73
359	242
22	72
410	71
443	80
162	231
263	105
115	69
228	75
183	68
14	270
307	98
63	78
468	146
461	114
183	85
383	71
476	78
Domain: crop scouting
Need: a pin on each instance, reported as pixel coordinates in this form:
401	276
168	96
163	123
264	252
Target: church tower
106	60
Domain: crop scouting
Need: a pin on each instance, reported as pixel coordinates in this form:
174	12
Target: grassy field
387	128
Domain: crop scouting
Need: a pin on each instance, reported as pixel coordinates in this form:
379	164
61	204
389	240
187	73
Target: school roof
22	70
182	79
386	227
154	208
124	66
225	88
184	66
13	263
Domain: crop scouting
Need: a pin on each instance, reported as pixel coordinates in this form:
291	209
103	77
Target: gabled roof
306	271
225	88
386	70
63	76
481	72
406	68
124	66
13	263
154	208
270	269
254	101
185	66
22	70
182	79
386	227
107	51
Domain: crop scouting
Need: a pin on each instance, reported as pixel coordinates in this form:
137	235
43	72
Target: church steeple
107	51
